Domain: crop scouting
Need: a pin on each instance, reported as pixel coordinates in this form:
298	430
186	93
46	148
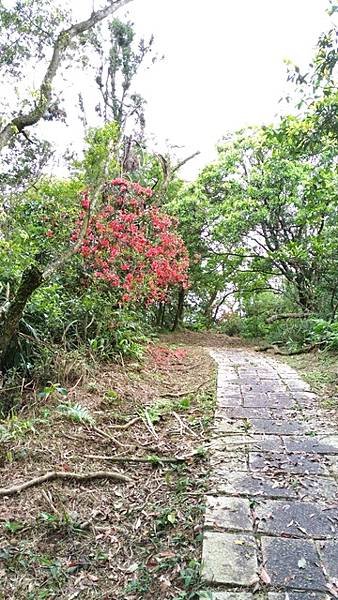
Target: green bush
231	325
324	332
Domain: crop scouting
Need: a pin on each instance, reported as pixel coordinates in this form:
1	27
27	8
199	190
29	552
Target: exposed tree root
53	475
136	459
279	352
304	350
109	437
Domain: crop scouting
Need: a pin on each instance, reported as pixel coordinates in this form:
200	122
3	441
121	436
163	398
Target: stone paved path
271	526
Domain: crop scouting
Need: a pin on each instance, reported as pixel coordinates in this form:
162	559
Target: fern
76	413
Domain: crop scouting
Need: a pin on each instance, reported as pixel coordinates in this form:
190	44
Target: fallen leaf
164	583
302	563
132	568
172	518
332	589
265	577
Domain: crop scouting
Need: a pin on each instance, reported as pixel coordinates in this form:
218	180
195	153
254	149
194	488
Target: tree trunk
160	315
284	316
179	309
163	315
207	313
31	279
304	293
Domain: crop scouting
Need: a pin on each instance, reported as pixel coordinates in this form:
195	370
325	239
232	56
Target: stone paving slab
251	485
292	563
240	412
272	506
305	398
297	384
236	460
266	412
297	519
229	426
304	464
276	426
265	387
229	558
298	596
266	426
230	401
268	400
317	488
225	512
231	596
254	442
327	444
328	552
264	485
332	464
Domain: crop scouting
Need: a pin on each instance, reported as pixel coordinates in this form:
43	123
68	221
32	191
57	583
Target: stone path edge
271	531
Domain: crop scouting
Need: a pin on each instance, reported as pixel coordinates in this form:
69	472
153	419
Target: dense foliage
94	261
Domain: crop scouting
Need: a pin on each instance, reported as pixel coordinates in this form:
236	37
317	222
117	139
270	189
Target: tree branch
285	316
63	41
185	160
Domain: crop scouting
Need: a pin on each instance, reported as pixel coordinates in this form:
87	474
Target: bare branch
137	459
63	41
169	170
185	160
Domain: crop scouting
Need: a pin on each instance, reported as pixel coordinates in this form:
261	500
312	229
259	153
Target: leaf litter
101	539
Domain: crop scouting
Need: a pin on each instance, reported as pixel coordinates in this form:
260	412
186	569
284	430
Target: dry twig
127	425
183	425
106	435
136	459
149	424
182	394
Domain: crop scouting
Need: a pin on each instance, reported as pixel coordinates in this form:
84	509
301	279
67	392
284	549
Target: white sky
223	66
224	63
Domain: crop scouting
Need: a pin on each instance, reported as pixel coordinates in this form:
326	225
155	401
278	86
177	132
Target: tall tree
37	36
25	36
120	62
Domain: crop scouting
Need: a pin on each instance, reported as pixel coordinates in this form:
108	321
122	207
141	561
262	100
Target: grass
320	370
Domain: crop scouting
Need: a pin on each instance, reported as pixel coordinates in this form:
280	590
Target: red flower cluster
132	246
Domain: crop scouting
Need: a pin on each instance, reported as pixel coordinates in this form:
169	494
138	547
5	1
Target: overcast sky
223	66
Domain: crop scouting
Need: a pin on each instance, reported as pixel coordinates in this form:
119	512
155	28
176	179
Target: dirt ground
149	421
101	538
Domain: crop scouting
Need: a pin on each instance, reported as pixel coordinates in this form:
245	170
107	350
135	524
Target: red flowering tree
132	246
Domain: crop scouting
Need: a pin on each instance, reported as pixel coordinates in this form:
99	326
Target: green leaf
172	518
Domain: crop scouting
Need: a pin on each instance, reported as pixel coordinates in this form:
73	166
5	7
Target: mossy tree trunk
31	279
